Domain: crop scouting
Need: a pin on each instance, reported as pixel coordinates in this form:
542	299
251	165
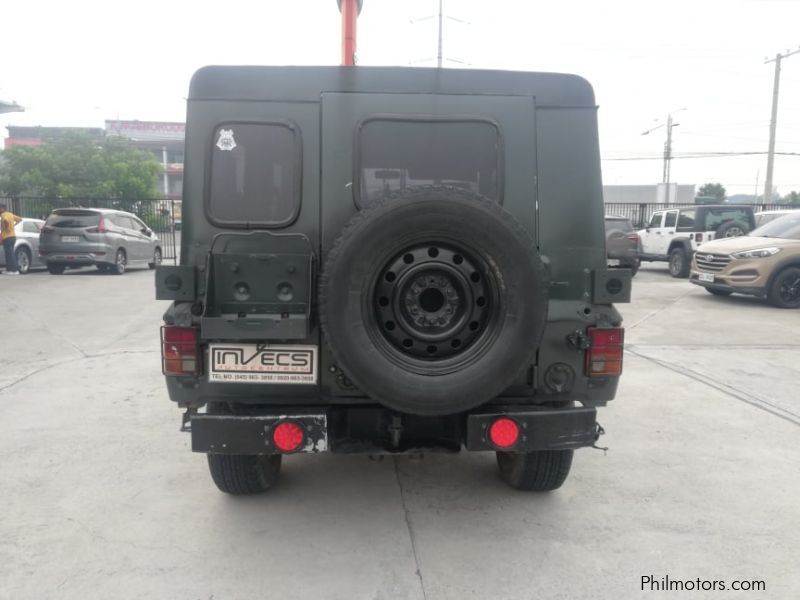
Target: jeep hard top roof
306	83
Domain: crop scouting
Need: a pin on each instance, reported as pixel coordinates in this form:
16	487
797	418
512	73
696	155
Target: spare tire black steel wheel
433	300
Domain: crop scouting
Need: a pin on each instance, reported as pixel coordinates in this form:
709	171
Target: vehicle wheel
55	269
451	299
717	292
541	471
678	263
731	229
23	256
784	292
120	262
156	259
239	474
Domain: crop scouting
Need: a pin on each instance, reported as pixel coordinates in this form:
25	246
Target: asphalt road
100	496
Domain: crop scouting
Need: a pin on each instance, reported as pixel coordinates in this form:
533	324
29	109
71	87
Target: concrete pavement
101	497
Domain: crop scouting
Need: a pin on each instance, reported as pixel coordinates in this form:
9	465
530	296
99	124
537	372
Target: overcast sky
81	62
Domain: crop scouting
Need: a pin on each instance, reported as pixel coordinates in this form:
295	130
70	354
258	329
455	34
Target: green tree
712	190
792	198
79	166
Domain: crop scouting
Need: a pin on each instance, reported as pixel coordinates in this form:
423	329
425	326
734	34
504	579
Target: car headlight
757	253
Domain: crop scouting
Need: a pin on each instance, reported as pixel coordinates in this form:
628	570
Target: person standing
8	221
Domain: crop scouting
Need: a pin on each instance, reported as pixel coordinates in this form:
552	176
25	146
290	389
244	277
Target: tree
79	166
712	190
792	198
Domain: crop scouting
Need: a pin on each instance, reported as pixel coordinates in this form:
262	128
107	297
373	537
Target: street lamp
667	147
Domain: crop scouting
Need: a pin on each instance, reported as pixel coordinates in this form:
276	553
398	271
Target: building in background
164	140
660	193
36	136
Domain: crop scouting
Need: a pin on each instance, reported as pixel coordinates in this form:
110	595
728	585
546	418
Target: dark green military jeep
389	260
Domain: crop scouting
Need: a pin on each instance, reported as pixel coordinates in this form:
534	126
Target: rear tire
55	269
718	292
541	471
239	474
23	256
678	263
784	291
120	263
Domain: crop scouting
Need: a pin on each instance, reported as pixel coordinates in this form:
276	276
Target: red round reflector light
504	432
288	436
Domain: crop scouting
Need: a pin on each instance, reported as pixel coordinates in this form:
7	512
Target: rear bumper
377	430
83	254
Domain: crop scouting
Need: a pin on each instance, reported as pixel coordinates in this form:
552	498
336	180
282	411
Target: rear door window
686	219
399	153
672	218
717	216
254	175
76	219
618	224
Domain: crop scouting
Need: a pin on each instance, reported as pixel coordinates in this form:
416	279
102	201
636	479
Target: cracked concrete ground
101	497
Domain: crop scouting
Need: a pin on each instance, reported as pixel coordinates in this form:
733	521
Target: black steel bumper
377	430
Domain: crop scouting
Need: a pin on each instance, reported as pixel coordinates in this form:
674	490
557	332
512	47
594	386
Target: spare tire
731	229
433	300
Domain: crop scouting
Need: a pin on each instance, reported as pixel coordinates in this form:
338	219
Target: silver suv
111	240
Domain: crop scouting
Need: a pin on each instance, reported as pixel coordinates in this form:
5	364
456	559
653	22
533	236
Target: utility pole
774	121
667	150
439	49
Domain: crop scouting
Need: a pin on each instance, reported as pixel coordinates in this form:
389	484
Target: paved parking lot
101	497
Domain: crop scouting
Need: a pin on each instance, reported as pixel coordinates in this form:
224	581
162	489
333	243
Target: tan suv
765	263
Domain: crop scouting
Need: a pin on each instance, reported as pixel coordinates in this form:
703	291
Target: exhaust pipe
350	10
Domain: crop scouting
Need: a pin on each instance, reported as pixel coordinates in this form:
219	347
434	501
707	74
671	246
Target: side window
124	222
686	219
672	218
655	220
138	225
394	154
254	175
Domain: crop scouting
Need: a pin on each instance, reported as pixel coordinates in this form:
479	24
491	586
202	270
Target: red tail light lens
604	356
288	436
101	227
180	352
504	432
634	237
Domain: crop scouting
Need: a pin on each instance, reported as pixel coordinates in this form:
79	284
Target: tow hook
597	433
186	420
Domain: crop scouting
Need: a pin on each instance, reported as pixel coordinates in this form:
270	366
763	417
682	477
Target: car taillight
101	227
180	352
604	356
634	237
504	432
288	436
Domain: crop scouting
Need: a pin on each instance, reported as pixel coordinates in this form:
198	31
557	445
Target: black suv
387	260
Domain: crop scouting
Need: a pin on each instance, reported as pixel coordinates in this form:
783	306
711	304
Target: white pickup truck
672	235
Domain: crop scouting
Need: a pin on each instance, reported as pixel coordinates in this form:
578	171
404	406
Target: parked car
673	235
111	240
764	217
27	245
765	263
622	244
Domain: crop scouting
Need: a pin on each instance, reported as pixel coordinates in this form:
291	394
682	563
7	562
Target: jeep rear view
390	260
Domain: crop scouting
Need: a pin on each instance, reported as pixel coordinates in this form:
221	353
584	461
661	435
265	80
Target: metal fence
157	213
640	213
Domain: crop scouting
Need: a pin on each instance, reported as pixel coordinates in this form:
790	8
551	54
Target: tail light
180	351
101	227
288	436
504	432
634	237
604	356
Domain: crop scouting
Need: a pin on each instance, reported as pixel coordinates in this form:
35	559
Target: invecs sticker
263	363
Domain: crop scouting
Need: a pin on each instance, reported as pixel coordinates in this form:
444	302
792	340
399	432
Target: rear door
651	234
374	144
